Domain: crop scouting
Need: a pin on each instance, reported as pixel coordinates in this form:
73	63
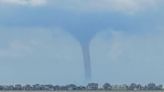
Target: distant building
81	88
36	87
119	87
18	87
27	87
92	86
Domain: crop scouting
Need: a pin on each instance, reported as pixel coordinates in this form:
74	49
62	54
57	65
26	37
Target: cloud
124	6
28	55
15	49
29	40
124	54
24	2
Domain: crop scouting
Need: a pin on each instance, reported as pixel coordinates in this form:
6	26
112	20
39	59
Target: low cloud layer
123	6
23	2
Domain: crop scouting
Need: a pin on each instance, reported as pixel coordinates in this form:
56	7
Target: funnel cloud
87	61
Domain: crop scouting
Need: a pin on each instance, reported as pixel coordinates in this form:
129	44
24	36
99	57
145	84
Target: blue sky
40	41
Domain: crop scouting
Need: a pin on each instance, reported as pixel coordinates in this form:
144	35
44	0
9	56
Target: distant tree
18	87
125	86
1	87
57	87
145	87
151	86
71	87
36	87
63	87
107	86
159	87
139	87
132	86
48	87
11	87
81	88
27	87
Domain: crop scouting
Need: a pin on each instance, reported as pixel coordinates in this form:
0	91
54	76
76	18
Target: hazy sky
40	41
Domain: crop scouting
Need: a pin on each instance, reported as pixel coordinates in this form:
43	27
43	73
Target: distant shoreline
87	91
90	87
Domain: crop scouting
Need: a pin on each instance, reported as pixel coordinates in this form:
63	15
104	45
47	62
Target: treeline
89	86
